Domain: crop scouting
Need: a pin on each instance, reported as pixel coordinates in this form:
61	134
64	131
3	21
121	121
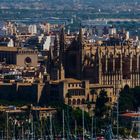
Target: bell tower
62	45
80	42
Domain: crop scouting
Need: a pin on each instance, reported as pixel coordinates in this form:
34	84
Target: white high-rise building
47	43
112	31
11	43
32	29
137	38
127	35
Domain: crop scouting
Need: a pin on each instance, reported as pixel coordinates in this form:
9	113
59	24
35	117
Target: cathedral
116	64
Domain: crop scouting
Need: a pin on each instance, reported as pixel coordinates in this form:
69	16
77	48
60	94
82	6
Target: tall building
56	58
32	29
112	31
116	64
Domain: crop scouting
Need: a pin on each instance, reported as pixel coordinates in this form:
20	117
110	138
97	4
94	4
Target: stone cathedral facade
117	65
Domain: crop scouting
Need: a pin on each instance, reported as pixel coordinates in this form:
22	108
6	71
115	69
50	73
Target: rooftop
131	114
14	49
69	80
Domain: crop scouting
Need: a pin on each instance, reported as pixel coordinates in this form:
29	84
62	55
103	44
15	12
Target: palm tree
93	92
68	95
88	106
102	104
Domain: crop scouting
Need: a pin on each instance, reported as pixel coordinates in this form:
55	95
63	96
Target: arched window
69	101
134	63
78	102
88	97
117	63
74	102
126	67
83	101
110	99
110	63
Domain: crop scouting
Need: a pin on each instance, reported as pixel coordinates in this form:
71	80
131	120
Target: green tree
101	106
102	110
88	106
126	99
68	95
93	92
136	98
77	113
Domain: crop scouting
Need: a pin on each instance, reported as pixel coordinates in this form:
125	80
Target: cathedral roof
69	80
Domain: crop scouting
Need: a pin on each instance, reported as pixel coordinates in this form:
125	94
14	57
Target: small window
69	102
78	102
74	101
83	101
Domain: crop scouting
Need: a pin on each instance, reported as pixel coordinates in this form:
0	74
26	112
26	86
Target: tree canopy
101	107
129	99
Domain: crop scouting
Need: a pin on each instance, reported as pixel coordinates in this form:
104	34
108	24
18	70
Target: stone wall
24	92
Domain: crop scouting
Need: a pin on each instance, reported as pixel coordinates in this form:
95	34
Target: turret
62	54
56	45
80	36
62	39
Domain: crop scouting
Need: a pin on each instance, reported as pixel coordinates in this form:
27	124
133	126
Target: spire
61	72
56	45
61	54
62	45
62	39
56	40
80	36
